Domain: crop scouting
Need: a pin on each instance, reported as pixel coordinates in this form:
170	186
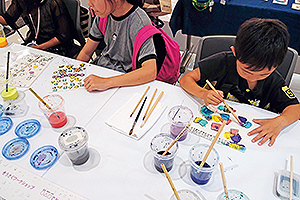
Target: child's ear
232	49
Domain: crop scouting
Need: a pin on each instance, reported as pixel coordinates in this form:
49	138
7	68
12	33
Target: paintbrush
230	110
7	70
27	65
39	98
224	181
150	103
139	101
137	117
170	181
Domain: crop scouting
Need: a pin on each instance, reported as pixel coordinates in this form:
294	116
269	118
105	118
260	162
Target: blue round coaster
28	128
5	124
15	148
44	157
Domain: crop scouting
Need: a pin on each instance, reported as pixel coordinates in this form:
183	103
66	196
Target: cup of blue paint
201	175
159	145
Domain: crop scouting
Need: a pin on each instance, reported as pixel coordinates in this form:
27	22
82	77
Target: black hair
261	43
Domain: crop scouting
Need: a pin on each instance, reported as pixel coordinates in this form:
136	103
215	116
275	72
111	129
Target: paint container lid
180	114
28	128
186	195
233	194
15	148
44	157
11	94
283	184
5	124
73	138
3	42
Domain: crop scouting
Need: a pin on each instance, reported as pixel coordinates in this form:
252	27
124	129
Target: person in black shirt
49	22
248	74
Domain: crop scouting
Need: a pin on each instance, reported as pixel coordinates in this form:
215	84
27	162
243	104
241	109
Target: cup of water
201	175
159	145
179	116
74	142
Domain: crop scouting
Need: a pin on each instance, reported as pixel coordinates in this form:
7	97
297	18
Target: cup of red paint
179	116
56	115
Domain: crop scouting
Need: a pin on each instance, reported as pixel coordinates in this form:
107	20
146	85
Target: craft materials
177	138
44	157
56	116
224	181
67	76
74	142
28	128
170	181
158	146
151	110
15	148
150	103
213	88
7	70
137	117
202	175
213	143
26	65
179	116
139	101
291	178
39	98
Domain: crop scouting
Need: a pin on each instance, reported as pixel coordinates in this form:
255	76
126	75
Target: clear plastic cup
56	115
74	142
179	116
3	41
186	195
233	195
158	145
201	175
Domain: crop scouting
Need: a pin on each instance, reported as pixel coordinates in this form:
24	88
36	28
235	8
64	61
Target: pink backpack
167	51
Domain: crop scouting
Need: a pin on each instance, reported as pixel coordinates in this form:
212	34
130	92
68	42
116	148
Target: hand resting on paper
270	128
96	83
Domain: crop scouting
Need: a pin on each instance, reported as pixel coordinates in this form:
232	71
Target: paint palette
44	157
28	128
15	148
67	77
5	125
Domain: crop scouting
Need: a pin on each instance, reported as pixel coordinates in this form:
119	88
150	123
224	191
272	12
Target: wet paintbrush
137	117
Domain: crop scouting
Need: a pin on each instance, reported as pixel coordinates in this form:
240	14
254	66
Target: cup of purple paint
201	175
159	145
179	116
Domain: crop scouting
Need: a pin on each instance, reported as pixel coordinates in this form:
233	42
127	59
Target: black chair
210	45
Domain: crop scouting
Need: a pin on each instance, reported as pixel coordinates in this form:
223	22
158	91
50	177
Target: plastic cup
201	175
233	194
74	142
56	116
3	41
179	116
186	195
158	145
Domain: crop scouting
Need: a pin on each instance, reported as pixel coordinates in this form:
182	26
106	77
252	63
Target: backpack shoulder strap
102	25
145	33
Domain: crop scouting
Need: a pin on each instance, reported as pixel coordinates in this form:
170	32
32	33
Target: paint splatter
225	116
216	118
221	107
247	124
205	111
242	119
236	138
215	126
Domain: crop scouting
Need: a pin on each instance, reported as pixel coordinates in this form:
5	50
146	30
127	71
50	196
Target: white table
117	170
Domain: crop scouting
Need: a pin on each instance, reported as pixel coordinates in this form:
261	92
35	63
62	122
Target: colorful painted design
244	122
68	77
205	111
215	126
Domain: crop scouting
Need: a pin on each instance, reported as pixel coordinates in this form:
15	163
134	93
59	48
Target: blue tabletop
226	19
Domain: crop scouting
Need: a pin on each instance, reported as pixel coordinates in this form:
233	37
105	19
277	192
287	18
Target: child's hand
211	97
269	129
96	83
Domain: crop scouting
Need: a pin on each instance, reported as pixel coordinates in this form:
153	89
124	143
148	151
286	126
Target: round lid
28	128
233	194
5	124
15	148
3	42
11	94
73	138
186	194
180	114
44	157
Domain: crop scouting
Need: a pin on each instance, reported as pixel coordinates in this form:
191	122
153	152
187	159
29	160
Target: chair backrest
73	7
2	7
210	45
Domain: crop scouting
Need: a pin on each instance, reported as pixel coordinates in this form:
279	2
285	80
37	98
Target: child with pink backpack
127	49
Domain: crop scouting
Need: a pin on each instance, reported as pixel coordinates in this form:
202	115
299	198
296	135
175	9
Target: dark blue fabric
225	20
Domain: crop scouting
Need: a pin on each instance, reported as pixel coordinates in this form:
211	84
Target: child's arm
87	51
189	83
270	128
139	76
